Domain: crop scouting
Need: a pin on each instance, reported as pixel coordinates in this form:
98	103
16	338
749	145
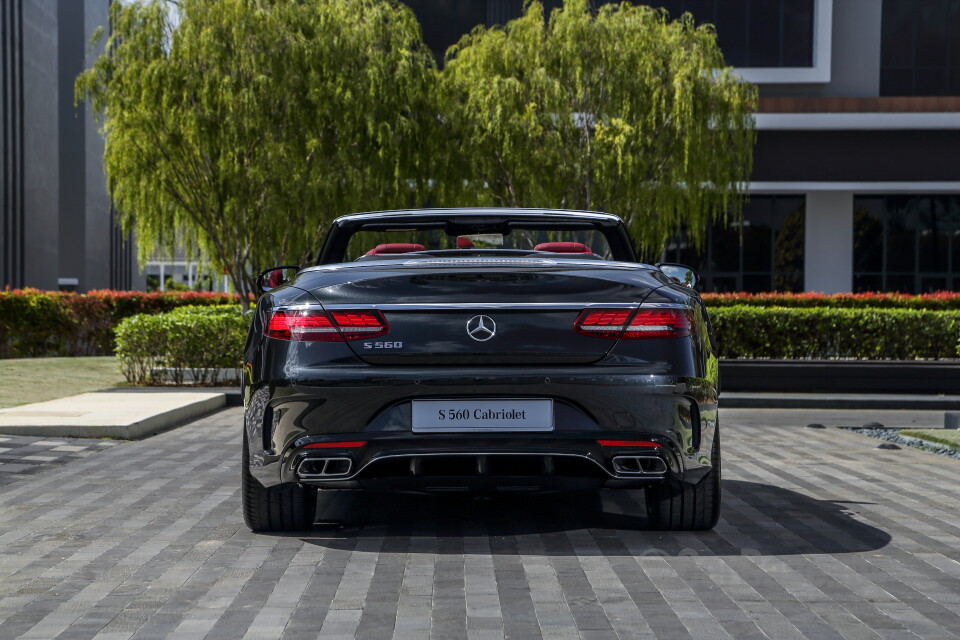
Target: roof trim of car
478	211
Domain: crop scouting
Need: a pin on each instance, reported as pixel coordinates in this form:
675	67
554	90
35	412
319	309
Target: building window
920	48
755	33
906	243
763	252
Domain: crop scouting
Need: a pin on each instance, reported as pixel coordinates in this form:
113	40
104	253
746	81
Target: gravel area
893	435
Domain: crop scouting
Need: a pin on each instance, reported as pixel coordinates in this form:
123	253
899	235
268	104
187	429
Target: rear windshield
363	242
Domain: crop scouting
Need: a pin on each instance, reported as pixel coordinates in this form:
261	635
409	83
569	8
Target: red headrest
464	243
396	247
563	247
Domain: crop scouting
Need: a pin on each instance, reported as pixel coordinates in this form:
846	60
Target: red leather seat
464	243
395	247
563	247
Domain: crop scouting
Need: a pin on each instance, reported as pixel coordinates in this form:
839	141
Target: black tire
677	506
284	507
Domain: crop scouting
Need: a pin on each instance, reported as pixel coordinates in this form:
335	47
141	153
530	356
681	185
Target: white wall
828	263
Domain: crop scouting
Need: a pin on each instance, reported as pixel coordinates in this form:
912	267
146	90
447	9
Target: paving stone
822	536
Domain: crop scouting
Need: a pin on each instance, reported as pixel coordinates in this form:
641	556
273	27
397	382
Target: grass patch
947	437
29	380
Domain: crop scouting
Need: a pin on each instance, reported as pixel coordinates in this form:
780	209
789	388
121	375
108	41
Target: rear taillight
646	323
313	325
658	323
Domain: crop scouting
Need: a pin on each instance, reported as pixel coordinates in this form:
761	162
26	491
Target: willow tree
619	110
241	127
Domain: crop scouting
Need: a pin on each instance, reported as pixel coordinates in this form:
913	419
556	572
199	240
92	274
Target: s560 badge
382	345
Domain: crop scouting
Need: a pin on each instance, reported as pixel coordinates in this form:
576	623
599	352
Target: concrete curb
773	400
108	415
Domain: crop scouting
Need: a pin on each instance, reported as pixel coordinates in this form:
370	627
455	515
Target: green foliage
161	348
873	334
620	111
33	324
52	323
246	128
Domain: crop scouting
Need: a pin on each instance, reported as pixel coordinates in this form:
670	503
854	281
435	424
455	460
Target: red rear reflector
628	443
352	444
313	325
658	323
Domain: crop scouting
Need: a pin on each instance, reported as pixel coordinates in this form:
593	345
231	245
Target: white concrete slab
128	415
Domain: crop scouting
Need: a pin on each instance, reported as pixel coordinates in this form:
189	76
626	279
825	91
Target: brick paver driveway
823	536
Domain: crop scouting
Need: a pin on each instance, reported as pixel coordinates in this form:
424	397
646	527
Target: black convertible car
480	350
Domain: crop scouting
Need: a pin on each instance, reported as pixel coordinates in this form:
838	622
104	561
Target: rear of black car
439	374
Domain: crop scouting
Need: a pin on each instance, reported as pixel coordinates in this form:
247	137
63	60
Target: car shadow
757	519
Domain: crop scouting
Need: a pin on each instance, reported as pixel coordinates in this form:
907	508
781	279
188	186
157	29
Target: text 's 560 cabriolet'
480	350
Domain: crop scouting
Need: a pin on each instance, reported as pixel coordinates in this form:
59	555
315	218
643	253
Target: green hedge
874	334
161	348
55	323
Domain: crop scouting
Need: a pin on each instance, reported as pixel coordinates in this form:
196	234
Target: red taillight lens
313	325
602	323
302	324
647	323
357	325
658	323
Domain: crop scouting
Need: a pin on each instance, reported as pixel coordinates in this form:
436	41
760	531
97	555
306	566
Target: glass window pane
722	284
758	235
954	20
896	82
900	283
901	234
732	32
797	34
702	10
867	282
933	283
931	33
934	235
764	30
931	82
789	223
757	283
896	48
953	227
725	248
867	234
788	282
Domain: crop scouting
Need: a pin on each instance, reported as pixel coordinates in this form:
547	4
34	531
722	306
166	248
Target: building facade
856	181
57	227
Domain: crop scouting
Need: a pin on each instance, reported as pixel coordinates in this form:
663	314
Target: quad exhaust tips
324	468
639	466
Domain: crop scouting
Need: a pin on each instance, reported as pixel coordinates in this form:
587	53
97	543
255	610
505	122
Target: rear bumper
372	405
469	464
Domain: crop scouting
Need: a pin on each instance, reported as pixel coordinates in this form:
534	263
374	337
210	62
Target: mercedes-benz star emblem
481	328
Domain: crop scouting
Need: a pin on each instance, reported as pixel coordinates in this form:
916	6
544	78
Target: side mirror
276	277
680	273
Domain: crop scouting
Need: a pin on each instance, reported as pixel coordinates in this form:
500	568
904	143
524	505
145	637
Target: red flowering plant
941	300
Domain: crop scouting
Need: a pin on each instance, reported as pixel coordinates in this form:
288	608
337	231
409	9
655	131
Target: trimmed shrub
161	348
54	323
941	300
875	334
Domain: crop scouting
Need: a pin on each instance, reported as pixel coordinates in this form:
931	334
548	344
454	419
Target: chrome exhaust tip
639	465
324	468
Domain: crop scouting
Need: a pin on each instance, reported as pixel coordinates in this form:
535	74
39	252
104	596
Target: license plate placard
488	415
